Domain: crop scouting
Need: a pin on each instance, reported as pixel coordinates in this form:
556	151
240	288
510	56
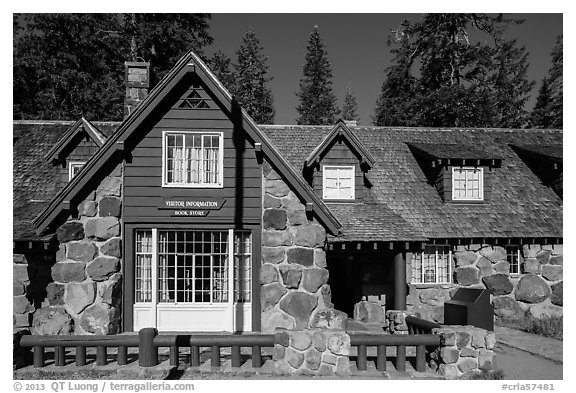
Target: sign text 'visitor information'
184	207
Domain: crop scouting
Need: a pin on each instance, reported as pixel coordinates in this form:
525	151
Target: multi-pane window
467	184
74	168
144	266
433	266
338	182
193	159
514	258
242	266
192	266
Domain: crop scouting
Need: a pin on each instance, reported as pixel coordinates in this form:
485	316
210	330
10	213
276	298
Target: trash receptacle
470	306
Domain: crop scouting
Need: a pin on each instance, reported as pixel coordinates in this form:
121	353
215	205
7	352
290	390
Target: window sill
192	186
446	285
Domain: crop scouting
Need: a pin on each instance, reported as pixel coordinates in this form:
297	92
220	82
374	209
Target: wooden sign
199	204
190	213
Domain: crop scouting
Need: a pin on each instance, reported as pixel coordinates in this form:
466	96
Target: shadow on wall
32	283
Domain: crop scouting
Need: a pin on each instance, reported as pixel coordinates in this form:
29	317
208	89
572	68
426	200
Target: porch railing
148	342
400	341
419	325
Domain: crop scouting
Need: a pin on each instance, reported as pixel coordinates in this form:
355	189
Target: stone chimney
137	79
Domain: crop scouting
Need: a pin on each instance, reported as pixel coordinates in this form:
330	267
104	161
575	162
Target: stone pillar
400	281
137	80
464	351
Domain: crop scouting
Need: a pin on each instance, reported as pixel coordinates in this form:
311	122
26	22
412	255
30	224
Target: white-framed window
433	265
338	182
192	266
192	159
74	168
514	258
467	184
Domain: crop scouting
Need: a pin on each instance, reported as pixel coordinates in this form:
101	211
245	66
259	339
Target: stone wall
31	276
312	352
537	292
464	351
85	294
293	274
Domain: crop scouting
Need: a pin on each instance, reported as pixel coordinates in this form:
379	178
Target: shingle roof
35	179
455	151
520	205
551	152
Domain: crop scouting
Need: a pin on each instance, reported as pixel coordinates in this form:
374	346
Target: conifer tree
542	116
220	64
251	88
511	85
548	112
350	107
72	65
317	102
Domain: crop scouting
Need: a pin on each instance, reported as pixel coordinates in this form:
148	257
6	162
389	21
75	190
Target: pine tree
542	116
220	64
548	112
460	82
511	85
350	107
72	65
251	89
317	102
395	104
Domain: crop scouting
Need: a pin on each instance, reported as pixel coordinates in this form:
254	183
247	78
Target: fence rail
400	341
148	342
419	325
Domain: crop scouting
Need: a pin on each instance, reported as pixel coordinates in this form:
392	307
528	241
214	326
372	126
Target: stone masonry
464	351
293	275
312	352
85	294
535	293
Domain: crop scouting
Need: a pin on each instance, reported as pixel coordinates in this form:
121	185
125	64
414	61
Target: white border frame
220	183
481	184
436	275
353	182
74	163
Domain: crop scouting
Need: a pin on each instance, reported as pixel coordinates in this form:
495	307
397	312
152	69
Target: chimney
137	79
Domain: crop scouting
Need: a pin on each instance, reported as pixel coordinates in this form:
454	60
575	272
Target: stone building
187	216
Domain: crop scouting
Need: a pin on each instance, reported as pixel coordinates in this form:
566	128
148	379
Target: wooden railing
419	325
400	341
148	341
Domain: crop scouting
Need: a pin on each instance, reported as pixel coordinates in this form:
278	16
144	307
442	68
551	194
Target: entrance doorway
183	280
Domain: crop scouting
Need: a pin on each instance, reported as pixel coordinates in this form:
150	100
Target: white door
184	282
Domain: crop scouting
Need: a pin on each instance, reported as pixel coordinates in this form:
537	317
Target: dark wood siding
340	153
143	191
84	149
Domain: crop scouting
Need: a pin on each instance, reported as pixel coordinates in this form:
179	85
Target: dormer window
467	184
74	168
338	182
192	159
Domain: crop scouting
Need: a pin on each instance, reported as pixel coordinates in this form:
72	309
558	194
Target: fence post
148	352
38	356
80	356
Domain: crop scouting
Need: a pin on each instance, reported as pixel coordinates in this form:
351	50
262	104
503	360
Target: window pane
192	266
466	183
143	266
242	266
193	158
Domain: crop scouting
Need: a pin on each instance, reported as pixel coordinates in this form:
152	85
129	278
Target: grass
488	375
547	327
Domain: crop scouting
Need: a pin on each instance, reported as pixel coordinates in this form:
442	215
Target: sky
357	50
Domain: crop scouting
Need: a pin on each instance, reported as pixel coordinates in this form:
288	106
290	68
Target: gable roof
187	65
551	153
520	207
36	180
340	129
81	126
